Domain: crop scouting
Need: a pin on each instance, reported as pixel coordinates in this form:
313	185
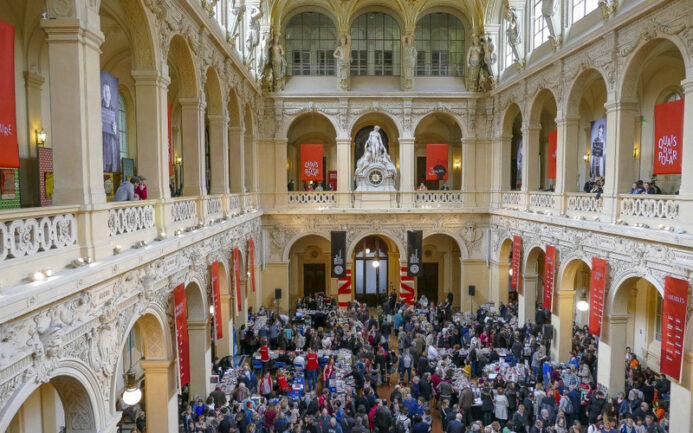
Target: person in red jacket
327	372
283	383
264	355
312	367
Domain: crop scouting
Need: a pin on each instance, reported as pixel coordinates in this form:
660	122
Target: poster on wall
517	254
337	254
170	151
597	289
311	162
414	253
553	145
45	174
216	294
251	262
237	277
668	137
9	147
436	162
673	326
109	120
518	165
332	179
549	276
181	318
598	148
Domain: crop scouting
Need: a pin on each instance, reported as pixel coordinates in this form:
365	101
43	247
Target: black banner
414	252
338	254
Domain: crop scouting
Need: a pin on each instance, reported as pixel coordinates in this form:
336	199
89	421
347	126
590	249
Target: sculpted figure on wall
253	39
548	10
278	64
480	60
342	54
264	66
409	55
236	18
512	32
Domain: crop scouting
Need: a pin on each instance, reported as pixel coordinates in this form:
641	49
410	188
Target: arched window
310	41
539	27
370	269
375	45
439	41
122	126
673	96
583	7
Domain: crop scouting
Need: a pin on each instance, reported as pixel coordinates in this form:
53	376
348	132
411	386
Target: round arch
288	10
448	7
234	109
215	96
567	271
393	242
291	123
617	298
370	6
308	255
460	243
544	96
442	271
131	17
296	238
388	122
249	149
577	88
310	128
181	62
196	301
439	127
511	113
78	390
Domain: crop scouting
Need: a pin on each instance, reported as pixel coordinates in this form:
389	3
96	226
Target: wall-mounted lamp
458	165
586	157
179	160
40	136
636	151
582	304
132	393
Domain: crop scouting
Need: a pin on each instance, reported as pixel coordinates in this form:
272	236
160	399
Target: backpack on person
400	427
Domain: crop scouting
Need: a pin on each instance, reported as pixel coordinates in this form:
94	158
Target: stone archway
200	351
569	279
531	293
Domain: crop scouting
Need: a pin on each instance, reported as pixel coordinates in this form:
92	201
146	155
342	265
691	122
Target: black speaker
472	289
277	293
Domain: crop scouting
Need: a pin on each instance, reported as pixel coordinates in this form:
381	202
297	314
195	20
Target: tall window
310	41
541	30
583	7
658	319
375	45
371	269
439	41
122	126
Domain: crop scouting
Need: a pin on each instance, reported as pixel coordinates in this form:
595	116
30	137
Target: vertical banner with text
170	149
311	162
517	256
216	294
344	289
181	318
673	326
597	289
414	252
9	147
407	287
668	137
337	254
549	276
251	262
436	162
553	145
237	277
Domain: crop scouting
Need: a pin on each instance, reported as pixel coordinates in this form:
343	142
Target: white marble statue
253	39
278	64
409	55
342	55
375	170
548	10
237	10
512	32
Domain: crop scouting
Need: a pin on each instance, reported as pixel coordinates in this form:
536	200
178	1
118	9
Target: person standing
312	366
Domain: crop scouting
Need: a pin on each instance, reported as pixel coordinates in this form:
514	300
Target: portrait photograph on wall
109	119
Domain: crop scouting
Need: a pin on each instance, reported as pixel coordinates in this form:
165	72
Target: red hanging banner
170	150
668	137
517	253
436	162
311	162
407	288
216	293
9	148
673	326
553	145
181	317
251	260
549	275
344	289
597	289
237	277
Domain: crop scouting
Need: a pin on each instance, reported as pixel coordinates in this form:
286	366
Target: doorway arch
375	263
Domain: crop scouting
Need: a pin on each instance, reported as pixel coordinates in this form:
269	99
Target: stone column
344	170
200	358
499	282
469	170
219	153
686	190
280	159
406	170
618	161
528	299
236	158
225	343
192	133
567	154
249	153
530	157
74	52
160	395
151	98
611	367
500	167
34	82
680	418
562	325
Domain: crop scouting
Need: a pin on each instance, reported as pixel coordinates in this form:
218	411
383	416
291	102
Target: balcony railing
214	207
439	199
312	199
29	232
235	205
542	201
126	217
512	200
249	203
640	208
583	204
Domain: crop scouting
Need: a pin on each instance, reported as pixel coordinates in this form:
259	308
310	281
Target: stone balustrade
234	205
583	204
512	200
312	199
439	199
542	201
214	207
28	232
127	218
643	208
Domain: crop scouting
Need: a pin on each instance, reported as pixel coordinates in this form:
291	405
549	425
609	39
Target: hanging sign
251	260
597	288
216	295
311	162
436	162
181	319
517	254
549	275
553	145
237	277
407	290
673	326
414	250
9	148
337	254
668	137
344	289
170	150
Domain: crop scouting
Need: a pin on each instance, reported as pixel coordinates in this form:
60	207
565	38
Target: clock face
375	177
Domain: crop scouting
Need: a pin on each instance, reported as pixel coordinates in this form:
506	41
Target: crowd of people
416	369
